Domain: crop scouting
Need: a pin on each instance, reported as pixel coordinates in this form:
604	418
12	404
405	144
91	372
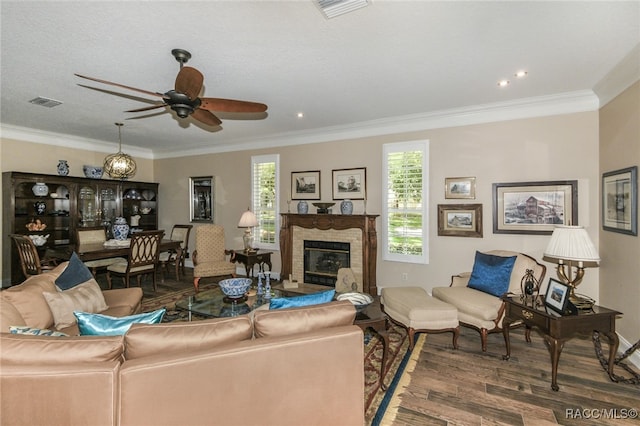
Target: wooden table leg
506	322
555	349
385	347
613	349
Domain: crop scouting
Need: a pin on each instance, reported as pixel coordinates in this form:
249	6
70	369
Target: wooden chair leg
109	279
412	335
483	339
196	282
456	334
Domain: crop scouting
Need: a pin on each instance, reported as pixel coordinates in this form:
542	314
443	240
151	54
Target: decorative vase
303	207
120	229
40	189
346	207
63	168
40	207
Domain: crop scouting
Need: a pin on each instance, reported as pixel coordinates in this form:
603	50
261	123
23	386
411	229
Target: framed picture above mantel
305	185
350	184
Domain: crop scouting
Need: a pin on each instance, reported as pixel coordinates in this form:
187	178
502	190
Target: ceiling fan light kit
120	165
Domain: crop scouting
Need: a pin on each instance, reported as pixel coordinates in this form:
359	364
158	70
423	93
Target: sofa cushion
105	325
144	340
306	300
491	274
19	349
35	331
75	273
469	301
283	322
9	316
27	299
85	297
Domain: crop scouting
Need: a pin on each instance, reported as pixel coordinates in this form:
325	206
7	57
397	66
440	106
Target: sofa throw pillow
86	297
104	325
491	274
15	329
306	300
75	273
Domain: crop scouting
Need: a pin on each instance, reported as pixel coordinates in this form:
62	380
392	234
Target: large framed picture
305	185
460	187
350	184
557	296
460	220
534	207
620	201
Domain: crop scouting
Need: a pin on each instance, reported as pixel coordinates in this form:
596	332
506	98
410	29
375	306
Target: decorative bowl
359	300
235	288
39	240
93	172
324	205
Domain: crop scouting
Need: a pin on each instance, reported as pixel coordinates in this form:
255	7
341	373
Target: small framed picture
460	220
460	187
620	201
557	296
350	184
305	185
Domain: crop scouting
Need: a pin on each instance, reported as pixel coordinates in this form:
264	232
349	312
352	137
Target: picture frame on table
460	187
620	201
556	297
534	207
349	184
460	220
305	185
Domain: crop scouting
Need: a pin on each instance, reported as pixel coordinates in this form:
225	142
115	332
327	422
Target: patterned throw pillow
306	300
75	273
105	325
20	329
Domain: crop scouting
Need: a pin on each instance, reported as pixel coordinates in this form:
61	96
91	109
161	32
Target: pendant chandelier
120	165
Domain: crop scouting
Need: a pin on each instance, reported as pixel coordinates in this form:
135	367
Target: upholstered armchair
209	256
478	308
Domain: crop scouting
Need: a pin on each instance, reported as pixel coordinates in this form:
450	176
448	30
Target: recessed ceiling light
503	83
300	115
521	74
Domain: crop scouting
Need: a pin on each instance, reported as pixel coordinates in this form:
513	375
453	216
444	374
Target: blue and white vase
63	168
303	207
120	229
346	207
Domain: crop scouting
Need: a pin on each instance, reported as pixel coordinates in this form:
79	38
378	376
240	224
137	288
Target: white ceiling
380	64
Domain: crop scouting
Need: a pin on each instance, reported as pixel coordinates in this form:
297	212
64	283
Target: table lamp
569	246
247	220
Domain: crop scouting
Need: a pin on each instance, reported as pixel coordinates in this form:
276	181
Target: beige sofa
275	367
482	311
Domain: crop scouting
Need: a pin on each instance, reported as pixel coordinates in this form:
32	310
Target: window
405	176
265	178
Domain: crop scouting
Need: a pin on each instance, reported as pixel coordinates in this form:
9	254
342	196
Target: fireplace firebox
322	259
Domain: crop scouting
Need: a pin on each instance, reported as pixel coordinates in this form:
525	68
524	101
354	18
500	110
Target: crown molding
620	78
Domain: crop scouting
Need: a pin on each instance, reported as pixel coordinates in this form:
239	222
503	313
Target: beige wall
620	148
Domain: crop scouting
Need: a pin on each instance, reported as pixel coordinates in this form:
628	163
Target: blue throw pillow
104	325
306	300
491	274
75	273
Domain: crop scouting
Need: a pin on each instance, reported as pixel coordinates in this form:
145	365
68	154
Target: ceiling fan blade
230	105
123	86
189	82
206	117
147	108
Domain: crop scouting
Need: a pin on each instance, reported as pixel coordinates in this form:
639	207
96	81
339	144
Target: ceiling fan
184	98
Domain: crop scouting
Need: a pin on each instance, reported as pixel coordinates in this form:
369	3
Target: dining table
95	251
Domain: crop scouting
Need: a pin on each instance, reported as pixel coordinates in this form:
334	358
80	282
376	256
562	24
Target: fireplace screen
322	259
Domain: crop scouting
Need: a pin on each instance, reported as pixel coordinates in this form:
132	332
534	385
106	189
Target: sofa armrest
460	280
130	297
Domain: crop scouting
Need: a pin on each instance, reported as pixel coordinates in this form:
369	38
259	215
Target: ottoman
413	309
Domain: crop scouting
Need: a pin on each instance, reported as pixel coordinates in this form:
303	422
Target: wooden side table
556	330
251	259
373	317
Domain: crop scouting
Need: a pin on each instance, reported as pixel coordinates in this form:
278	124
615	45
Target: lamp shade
571	243
247	220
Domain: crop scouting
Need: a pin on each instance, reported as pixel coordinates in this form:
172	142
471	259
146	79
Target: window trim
388	148
269	158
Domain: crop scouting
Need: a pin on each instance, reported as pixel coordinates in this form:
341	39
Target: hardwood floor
469	387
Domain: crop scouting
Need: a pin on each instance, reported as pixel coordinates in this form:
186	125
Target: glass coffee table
214	304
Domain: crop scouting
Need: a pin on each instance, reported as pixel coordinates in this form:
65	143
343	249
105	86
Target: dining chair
210	257
144	251
29	257
95	235
177	257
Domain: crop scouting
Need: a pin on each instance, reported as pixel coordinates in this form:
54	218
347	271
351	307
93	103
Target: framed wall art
201	198
620	201
350	184
534	207
460	187
305	185
557	296
460	220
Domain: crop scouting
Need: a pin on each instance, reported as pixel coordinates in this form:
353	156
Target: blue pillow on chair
491	274
306	300
75	273
105	325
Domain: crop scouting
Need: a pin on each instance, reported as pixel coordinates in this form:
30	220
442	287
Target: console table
556	329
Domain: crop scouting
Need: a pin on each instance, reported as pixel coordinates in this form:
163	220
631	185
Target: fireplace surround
359	231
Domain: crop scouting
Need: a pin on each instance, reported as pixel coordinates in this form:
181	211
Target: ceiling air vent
45	102
333	8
